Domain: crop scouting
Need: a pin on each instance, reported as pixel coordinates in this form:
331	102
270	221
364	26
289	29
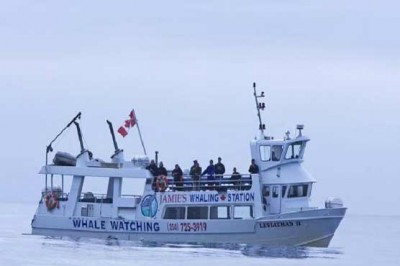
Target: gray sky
188	68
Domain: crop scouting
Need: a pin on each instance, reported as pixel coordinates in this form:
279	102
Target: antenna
259	106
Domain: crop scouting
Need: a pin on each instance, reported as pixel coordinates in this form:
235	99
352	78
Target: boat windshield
268	153
294	150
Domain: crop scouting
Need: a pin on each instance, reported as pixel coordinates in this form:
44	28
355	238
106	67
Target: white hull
306	228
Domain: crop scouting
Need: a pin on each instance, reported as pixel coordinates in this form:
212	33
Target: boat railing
61	196
94	197
220	183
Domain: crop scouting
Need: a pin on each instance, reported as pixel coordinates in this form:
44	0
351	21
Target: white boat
271	207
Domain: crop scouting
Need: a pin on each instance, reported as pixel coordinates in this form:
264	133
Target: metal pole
78	128
140	135
113	136
258	109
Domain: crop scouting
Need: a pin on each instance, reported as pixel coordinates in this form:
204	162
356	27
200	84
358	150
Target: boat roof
129	172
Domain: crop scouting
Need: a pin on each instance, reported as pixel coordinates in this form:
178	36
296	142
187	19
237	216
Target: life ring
162	183
51	201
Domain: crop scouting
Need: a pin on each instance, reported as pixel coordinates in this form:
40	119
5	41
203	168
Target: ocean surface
360	240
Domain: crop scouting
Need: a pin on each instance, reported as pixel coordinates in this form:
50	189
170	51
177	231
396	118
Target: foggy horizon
188	70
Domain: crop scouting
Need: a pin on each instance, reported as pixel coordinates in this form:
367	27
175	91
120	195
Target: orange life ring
162	183
51	201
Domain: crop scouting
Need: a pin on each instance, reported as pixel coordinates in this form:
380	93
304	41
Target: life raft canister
162	183
51	201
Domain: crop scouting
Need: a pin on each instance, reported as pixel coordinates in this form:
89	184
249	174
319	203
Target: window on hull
220	212
243	212
197	212
174	213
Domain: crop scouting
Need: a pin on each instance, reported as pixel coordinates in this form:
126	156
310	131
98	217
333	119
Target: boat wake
206	249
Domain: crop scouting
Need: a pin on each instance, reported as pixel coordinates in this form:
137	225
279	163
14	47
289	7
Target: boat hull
304	228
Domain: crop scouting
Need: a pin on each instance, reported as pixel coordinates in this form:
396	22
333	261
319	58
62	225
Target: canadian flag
131	122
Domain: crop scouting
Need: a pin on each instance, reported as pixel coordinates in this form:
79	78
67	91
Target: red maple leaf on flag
131	121
122	131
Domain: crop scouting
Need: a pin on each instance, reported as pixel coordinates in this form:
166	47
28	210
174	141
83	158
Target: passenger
236	179
162	170
178	177
195	172
152	167
210	172
253	169
219	169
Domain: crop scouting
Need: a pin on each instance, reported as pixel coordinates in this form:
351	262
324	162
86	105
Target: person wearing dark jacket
178	177
236	178
152	167
219	169
253	169
162	170
195	173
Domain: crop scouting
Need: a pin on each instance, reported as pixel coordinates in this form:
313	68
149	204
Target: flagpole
140	135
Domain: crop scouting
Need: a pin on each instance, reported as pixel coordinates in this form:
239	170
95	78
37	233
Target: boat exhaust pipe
78	128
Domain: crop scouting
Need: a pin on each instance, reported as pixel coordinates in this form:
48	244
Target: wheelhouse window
276	152
197	212
283	191
243	212
174	213
266	191
294	150
297	191
220	212
275	192
265	152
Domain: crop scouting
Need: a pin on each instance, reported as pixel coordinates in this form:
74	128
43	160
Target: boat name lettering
173	198
230	197
132	226
242	196
279	224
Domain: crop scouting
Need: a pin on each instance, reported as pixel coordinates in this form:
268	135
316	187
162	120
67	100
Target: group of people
213	173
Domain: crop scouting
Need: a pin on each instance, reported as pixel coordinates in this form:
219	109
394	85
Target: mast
259	106
140	135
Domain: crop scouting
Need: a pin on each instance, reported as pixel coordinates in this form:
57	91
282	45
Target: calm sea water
360	240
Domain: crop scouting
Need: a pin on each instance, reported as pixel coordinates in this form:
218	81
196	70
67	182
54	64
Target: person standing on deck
152	167
236	179
253	169
162	170
178	177
210	172
219	170
195	172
